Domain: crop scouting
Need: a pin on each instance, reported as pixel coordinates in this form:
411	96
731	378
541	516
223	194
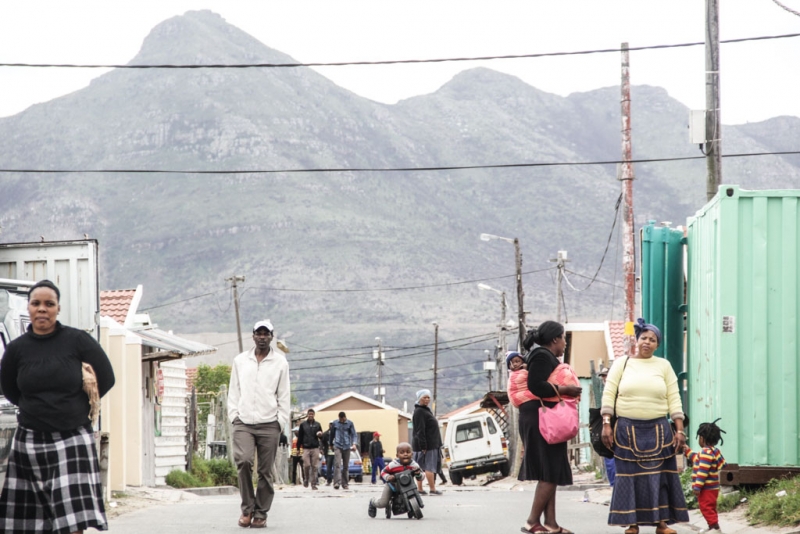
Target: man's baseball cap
263	324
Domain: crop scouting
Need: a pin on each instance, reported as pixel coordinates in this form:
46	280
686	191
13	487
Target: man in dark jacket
376	455
308	439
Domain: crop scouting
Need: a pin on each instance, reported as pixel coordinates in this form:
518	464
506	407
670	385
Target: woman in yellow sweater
642	391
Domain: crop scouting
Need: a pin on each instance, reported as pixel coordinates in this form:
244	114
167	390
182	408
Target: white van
475	444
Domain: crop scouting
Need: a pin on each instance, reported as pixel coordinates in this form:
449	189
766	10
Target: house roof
352	394
116	304
469	408
170	346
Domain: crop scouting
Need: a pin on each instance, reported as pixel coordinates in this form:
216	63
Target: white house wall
170	447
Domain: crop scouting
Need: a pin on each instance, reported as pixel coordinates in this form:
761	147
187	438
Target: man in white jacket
258	407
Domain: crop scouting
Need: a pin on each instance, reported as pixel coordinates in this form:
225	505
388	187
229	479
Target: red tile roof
616	330
115	304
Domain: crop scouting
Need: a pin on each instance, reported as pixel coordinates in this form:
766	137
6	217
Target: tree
207	384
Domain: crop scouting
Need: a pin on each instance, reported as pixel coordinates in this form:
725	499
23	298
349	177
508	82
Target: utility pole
234	279
520	295
561	260
713	148
488	367
626	176
435	361
380	392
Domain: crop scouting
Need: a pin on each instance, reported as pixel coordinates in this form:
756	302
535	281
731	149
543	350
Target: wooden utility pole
626	176
561	260
234	279
435	362
520	298
713	148
380	392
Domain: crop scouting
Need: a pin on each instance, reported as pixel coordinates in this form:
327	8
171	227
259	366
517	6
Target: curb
214	490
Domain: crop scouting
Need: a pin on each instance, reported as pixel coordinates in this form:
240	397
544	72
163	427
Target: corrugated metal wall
744	323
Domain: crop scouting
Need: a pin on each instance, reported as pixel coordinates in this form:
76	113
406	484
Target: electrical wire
392	61
792	11
389	169
608	242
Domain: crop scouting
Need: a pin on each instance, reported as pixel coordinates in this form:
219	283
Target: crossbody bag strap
620	381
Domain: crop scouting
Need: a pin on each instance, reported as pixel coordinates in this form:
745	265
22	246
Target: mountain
181	235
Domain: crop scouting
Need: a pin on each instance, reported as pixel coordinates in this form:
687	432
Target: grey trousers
383	500
341	466
249	441
311	466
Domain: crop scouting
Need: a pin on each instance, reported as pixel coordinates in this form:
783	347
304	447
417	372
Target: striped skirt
647	488
52	483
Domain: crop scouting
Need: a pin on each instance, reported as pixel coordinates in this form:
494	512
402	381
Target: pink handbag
559	423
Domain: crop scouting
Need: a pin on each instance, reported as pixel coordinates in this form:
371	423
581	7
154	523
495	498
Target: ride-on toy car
405	497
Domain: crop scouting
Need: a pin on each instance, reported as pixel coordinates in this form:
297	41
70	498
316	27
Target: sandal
561	530
633	529
666	530
534	529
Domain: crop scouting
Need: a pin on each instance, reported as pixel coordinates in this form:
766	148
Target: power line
388	169
608	242
391	349
390	61
406	288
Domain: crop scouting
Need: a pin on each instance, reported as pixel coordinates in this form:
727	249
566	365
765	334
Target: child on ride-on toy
403	462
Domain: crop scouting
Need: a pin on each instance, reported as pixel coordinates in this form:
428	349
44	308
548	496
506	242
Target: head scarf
642	326
510	355
421	393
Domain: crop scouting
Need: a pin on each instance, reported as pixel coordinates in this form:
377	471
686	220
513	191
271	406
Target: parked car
475	444
354	470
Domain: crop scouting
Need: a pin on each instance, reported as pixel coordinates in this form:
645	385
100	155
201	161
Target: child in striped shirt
403	462
706	466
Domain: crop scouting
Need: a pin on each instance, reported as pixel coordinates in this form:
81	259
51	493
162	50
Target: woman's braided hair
711	433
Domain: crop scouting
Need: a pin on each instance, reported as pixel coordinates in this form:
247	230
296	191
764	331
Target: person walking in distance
308	437
258	407
297	457
376	455
611	469
344	440
327	450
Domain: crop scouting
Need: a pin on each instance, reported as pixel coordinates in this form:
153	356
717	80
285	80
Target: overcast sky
759	79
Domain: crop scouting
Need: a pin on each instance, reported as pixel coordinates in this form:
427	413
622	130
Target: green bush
204	473
182	479
686	483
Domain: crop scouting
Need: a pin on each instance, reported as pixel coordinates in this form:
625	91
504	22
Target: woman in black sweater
427	441
53	478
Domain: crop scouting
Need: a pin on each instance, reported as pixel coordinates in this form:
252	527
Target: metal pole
435	362
235	279
489	371
626	176
380	396
713	121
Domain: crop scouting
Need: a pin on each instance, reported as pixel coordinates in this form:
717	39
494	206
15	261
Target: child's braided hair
711	433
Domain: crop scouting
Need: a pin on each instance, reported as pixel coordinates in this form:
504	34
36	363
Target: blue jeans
611	470
377	466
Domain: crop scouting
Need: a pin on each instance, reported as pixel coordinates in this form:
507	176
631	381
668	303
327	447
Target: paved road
470	510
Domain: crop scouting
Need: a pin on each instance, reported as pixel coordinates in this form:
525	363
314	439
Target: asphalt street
496	508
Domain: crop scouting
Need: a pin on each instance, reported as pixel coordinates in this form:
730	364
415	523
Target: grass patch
205	473
766	507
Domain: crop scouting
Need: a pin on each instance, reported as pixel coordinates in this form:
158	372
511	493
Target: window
469	431
490	424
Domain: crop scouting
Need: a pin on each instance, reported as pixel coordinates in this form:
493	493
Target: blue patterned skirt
647	489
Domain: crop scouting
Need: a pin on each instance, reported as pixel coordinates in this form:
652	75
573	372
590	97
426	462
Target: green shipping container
743	324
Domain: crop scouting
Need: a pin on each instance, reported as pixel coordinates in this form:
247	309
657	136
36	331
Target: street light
520	292
501	340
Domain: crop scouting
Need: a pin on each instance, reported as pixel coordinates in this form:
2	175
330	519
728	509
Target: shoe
372	511
633	529
245	520
345	487
336	486
423	492
314	487
435	492
305	483
258	522
328	483
665	530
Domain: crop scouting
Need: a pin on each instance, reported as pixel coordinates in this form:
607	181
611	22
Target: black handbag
596	425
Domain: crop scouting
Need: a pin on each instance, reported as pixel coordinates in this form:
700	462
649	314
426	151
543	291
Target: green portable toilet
663	289
743	329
